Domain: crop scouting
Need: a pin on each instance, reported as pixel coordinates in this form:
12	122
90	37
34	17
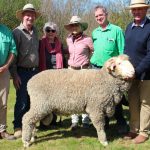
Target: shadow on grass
64	131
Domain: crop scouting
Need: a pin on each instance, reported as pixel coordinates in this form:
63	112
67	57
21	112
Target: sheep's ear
111	65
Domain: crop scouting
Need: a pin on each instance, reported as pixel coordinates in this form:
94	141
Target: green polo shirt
107	43
7	44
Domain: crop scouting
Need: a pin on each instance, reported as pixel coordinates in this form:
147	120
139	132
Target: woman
50	58
80	48
50	48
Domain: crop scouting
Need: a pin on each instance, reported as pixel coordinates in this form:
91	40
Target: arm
90	44
120	41
13	67
7	64
144	65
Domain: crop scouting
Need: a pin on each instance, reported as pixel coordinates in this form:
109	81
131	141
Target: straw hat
76	20
27	7
138	3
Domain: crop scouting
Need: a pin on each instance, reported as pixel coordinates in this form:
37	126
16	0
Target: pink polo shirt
79	51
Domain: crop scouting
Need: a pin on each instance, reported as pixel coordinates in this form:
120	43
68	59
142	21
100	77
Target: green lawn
61	138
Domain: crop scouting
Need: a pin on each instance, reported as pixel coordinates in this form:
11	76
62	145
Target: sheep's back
71	87
65	83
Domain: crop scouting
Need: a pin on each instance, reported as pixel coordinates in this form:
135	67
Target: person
51	57
80	48
7	54
137	47
27	62
108	41
50	48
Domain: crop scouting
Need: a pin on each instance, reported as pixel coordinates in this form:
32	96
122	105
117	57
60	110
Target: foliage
60	12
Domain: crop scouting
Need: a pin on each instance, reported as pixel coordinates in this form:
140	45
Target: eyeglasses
48	31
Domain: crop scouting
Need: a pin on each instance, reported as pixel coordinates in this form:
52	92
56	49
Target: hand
17	82
3	68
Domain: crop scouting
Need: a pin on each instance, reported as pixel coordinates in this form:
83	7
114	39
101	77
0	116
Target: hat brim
83	24
138	6
20	12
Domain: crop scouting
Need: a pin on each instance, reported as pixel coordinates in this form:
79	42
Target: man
7	54
108	40
137	46
26	64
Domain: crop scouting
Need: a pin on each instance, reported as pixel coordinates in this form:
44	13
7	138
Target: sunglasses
48	31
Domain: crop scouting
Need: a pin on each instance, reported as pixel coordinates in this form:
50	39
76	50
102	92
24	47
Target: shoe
139	139
7	136
74	126
86	126
130	136
18	133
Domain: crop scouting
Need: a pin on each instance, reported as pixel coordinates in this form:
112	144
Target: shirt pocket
110	45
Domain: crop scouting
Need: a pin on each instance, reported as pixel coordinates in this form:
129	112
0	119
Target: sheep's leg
29	121
98	121
27	128
33	135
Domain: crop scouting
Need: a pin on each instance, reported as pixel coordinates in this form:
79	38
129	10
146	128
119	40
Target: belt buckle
33	69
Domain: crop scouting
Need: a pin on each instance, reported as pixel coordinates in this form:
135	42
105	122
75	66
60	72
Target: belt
96	66
28	69
86	66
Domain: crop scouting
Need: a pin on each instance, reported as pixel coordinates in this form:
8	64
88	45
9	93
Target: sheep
68	91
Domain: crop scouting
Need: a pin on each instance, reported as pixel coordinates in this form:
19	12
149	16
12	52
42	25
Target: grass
61	138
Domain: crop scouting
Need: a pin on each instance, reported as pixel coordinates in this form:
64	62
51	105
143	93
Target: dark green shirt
107	43
7	44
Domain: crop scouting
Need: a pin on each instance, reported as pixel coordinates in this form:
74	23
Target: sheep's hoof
104	143
32	139
26	144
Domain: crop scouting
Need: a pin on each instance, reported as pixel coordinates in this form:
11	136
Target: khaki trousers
139	107
4	90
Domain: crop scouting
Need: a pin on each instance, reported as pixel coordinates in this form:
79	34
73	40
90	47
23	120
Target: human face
50	33
75	28
28	19
139	14
101	17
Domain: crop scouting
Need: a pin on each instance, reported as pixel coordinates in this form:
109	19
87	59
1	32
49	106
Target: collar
107	28
22	27
141	24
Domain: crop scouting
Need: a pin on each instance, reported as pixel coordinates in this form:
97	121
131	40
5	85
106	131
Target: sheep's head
120	67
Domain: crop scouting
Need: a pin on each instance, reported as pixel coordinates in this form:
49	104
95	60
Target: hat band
74	22
32	9
138	3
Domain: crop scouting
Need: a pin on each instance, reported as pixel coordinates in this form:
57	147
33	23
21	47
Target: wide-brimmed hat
27	7
76	20
138	3
50	25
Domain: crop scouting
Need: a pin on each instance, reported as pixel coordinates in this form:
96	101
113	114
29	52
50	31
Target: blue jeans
22	98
